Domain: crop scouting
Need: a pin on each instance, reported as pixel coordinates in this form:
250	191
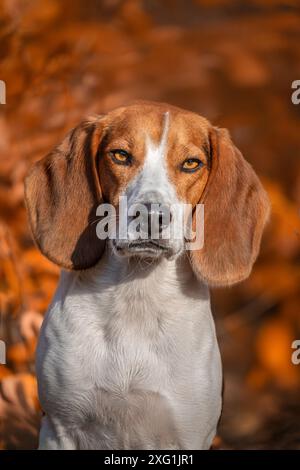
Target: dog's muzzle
149	230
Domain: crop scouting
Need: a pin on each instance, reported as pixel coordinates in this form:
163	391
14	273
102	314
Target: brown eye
191	164
120	156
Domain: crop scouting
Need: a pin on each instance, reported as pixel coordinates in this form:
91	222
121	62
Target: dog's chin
142	249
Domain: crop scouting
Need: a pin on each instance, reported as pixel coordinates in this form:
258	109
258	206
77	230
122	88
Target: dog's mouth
153	248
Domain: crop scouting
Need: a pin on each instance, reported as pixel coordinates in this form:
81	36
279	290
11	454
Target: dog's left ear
62	192
236	208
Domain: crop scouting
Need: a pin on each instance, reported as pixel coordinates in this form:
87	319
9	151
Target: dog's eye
191	164
120	156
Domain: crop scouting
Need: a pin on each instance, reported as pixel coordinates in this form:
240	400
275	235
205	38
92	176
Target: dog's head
156	158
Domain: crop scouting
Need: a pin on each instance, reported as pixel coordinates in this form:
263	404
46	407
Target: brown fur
62	192
236	210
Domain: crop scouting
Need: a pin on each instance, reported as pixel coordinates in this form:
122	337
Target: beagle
128	356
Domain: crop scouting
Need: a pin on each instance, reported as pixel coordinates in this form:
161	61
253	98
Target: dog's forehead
143	121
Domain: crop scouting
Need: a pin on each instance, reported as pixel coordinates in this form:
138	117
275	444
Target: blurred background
232	61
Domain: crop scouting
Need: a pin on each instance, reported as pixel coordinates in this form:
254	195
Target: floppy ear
236	208
62	192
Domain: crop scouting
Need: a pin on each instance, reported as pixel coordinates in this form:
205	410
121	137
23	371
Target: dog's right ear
62	192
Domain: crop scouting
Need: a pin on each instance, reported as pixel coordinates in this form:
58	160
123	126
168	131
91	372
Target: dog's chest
124	336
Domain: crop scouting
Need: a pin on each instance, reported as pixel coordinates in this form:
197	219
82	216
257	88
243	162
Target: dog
127	356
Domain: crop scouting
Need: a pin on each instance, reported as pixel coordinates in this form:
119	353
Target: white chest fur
128	358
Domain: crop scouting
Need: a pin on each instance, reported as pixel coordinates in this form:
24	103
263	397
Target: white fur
153	178
128	356
116	332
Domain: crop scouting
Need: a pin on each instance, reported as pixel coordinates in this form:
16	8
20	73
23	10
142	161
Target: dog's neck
135	280
135	294
127	294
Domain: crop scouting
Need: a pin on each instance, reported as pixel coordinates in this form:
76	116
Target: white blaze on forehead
154	176
156	153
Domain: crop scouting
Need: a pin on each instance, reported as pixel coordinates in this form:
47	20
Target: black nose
159	218
155	218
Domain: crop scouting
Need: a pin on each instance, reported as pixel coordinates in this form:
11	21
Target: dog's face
158	158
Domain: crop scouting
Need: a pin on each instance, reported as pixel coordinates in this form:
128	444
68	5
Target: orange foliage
64	60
